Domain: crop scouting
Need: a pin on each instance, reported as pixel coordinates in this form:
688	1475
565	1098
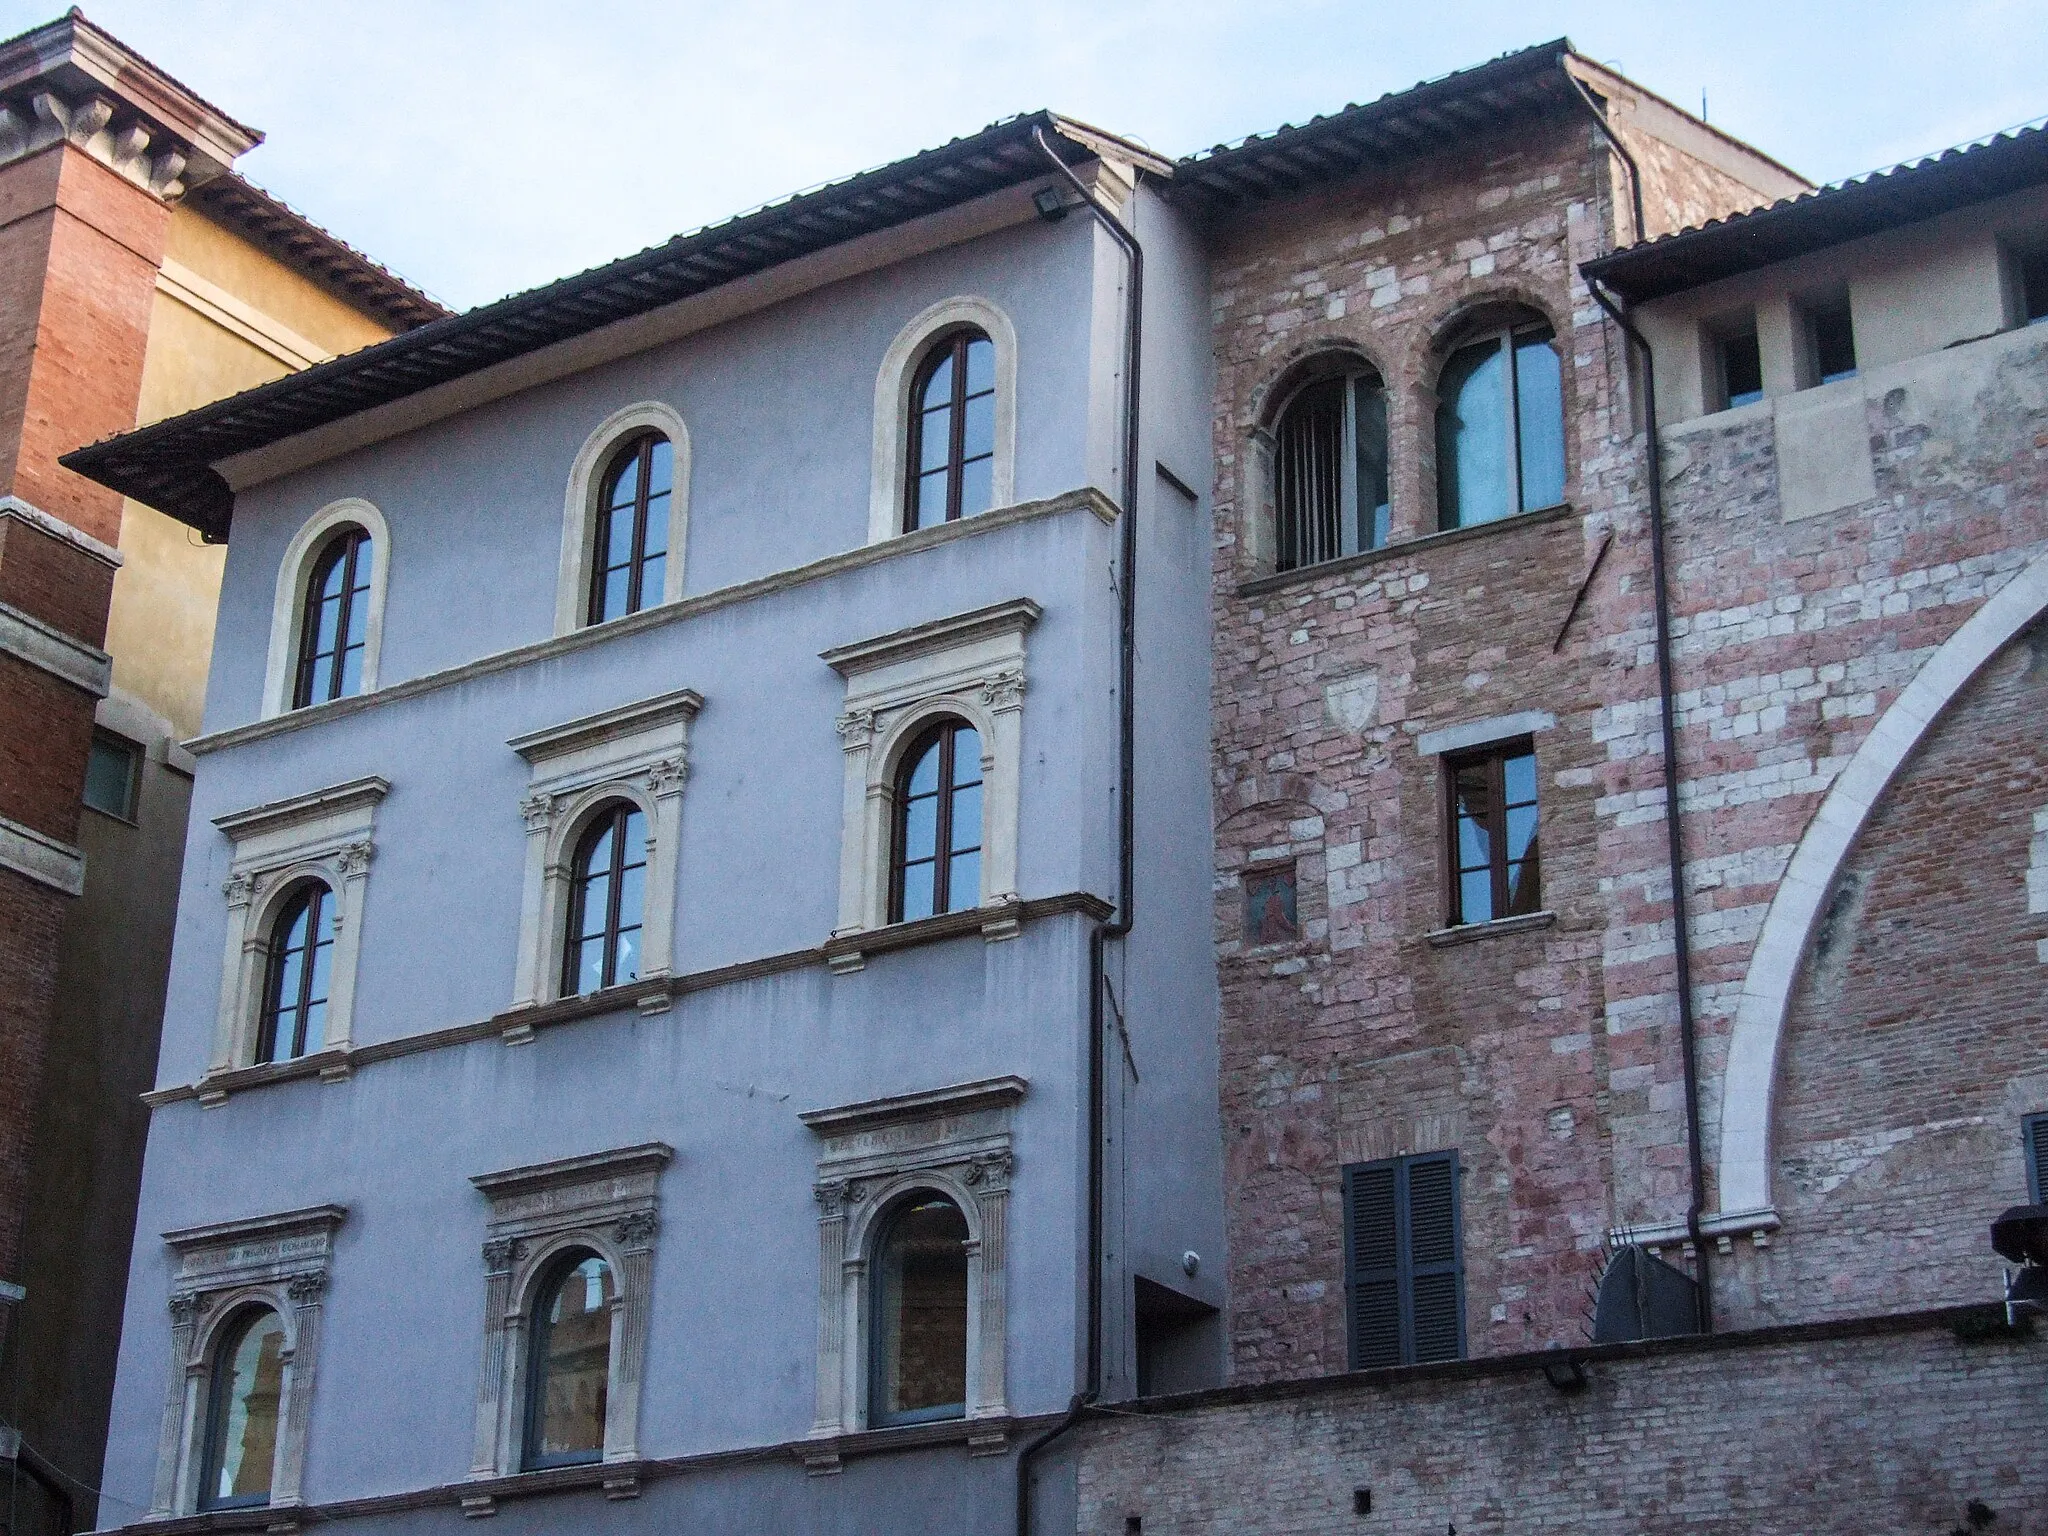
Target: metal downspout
1681	938
1119	926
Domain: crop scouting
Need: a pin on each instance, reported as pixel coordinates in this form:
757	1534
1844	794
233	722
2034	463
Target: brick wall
1801	1431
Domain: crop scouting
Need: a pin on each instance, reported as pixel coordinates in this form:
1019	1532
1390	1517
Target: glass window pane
661	468
1474	477
588	964
1370	417
626	958
1539	404
248	1392
1521	831
981	366
1475	896
351	682
636	838
612	603
938	389
921	827
966	756
931	499
327	626
917	891
977	487
978	435
618	538
110	776
966	818
652	574
332	574
1519	772
323	966
632	895
963	882
1525	888
573	1364
1475	845
935	439
924	778
655	541
921	1313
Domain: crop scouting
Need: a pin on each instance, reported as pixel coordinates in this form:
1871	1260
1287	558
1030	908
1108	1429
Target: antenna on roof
1703	103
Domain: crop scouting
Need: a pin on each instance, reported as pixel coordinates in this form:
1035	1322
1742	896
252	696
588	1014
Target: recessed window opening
2033	274
1496	868
920	1315
1330	470
1404	1266
244	1401
1830	340
607	901
335	630
631	542
937	844
1271	915
1500	427
297	977
1740	365
952	432
113	774
569	1376
2034	1133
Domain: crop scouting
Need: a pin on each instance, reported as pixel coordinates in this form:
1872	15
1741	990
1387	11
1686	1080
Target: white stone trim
326	835
608	1202
955	1141
265	332
579	507
35	517
887	483
280	1262
41	859
1481	733
638	752
971	665
1743	1169
288	609
27	638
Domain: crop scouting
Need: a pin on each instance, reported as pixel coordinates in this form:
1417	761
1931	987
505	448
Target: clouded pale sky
482	146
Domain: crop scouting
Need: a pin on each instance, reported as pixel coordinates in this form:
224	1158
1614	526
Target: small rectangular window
2035	1131
2033	272
1830	340
113	773
1493	854
1270	912
1741	366
1404	1261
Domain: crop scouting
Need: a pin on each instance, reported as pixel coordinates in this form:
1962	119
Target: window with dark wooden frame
244	1404
935	852
294	1019
1330	470
1404	1261
1493	853
1500	427
952	432
919	1315
569	1369
335	629
2034	1129
113	775
629	550
607	895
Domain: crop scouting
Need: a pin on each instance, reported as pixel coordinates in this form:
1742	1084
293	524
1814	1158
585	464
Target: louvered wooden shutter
1404	1261
2037	1157
1373	1264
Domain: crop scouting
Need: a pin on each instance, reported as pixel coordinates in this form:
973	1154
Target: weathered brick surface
31	919
1551	1058
1802	1436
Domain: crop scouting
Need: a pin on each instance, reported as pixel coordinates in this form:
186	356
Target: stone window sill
1500	927
848	952
1259	586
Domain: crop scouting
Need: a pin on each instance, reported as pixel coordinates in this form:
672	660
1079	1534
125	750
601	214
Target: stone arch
1749	1083
288	610
886	487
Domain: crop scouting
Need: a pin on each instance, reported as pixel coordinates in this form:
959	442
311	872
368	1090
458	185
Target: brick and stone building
143	276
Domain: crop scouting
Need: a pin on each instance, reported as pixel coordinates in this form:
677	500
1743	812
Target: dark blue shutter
2037	1157
1404	1261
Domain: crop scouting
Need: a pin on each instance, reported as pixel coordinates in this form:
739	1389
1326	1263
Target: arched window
1500	426
936	865
1330	469
569	1370
335	630
952	432
243	1402
630	550
607	895
919	1345
295	982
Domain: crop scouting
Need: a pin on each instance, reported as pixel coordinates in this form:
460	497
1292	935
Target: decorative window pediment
638	754
946	1144
324	837
223	1273
606	1205
969	668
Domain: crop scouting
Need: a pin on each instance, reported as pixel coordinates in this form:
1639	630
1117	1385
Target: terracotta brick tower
94	145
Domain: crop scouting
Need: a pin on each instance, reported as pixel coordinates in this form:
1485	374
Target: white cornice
36	518
41	859
317	805
1006	618
872	1114
648	715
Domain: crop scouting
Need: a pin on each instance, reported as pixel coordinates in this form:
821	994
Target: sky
478	148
